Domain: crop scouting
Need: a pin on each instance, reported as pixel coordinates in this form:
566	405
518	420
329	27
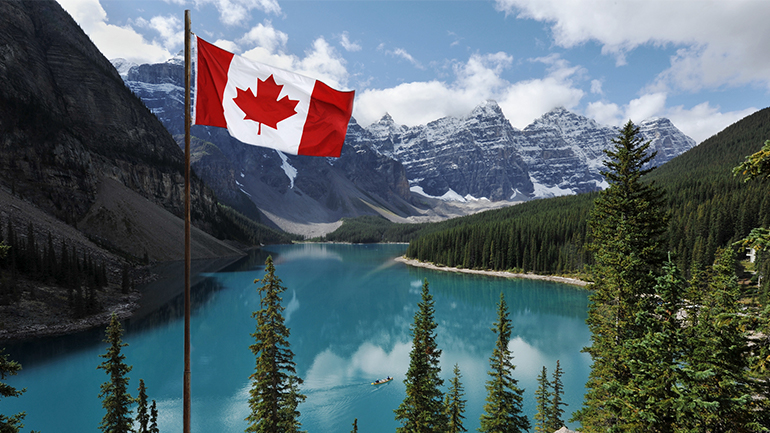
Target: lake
349	307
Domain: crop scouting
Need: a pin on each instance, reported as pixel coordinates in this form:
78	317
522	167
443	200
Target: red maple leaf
265	106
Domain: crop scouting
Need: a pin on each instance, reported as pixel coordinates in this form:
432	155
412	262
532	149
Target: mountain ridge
405	173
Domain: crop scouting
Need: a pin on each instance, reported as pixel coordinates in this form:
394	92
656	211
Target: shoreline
161	283
502	274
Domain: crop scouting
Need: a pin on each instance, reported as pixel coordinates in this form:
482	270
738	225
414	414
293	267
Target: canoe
381	381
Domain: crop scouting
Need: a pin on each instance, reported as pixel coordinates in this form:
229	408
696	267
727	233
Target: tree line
41	260
707	207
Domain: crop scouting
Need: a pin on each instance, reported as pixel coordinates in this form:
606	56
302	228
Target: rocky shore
557	279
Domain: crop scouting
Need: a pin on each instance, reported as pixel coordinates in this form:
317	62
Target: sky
702	64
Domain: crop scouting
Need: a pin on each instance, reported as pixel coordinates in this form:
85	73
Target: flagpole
187	255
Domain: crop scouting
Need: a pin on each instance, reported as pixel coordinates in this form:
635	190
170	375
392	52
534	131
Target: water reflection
349	308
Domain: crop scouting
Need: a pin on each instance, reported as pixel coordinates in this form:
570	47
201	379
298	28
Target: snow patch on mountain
290	171
448	196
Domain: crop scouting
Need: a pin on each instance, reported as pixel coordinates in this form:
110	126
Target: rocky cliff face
67	122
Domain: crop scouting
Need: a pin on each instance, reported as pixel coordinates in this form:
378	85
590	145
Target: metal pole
187	254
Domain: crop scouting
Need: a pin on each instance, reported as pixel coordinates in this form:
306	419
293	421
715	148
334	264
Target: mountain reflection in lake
349	307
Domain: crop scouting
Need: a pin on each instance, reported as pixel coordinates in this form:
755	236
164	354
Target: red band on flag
211	77
327	121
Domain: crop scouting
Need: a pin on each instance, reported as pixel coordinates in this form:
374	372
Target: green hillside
709	208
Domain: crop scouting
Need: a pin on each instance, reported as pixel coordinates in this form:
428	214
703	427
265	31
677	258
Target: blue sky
703	64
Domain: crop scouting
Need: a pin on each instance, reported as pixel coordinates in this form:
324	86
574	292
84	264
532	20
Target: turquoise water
349	308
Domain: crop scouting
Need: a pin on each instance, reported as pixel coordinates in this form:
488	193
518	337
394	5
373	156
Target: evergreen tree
653	396
503	408
719	394
626	225
422	410
153	418
142	417
454	404
114	393
756	166
9	367
274	394
542	402
355	426
555	421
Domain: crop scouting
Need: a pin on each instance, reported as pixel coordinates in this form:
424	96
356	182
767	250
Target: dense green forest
708	208
372	229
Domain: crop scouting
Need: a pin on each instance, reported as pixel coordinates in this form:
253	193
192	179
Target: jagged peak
488	108
385	126
386	119
178	59
558	116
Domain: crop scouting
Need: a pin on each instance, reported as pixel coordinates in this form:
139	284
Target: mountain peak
384	127
562	119
386	119
488	108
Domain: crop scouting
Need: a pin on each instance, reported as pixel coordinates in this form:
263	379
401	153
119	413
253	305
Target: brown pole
187	121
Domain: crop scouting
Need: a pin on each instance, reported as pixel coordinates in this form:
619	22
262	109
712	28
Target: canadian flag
267	106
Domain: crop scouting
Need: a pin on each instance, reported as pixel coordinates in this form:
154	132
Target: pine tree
653	395
142	417
542	402
355	426
153	418
422	410
503	410
718	392
8	367
454	404
114	393
555	421
626	225
274	394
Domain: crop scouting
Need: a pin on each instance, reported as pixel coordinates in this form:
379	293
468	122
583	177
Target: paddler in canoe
381	381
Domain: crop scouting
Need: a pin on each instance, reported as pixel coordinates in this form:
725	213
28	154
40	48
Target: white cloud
170	28
238	12
703	120
264	35
527	100
699	122
113	41
723	42
402	53
227	45
646	106
606	113
475	81
347	44
321	61
596	87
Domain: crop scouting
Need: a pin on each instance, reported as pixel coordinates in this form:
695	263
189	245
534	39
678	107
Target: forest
708	208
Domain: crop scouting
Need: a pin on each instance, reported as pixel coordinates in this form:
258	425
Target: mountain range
449	167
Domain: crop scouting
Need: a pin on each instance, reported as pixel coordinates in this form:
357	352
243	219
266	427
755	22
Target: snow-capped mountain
398	171
472	157
483	156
